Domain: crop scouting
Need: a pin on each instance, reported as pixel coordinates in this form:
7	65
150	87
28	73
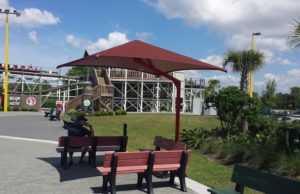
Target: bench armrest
222	191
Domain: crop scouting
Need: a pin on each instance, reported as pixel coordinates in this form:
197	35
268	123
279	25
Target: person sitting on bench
55	116
78	130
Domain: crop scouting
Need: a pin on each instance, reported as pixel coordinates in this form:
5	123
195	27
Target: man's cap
81	117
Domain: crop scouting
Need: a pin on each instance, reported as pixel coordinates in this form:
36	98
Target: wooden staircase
102	93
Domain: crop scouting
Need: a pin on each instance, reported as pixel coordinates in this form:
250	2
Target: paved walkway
29	166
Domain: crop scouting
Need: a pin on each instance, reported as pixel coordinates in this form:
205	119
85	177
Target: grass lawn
142	128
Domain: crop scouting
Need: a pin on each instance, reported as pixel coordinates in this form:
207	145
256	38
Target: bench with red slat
144	163
90	144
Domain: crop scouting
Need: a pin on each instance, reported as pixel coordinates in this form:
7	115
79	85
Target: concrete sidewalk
29	165
33	167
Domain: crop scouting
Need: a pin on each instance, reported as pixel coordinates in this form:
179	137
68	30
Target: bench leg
172	178
65	160
112	183
181	177
61	159
140	180
149	183
105	182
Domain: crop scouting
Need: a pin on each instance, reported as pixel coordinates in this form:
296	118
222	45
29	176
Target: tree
294	38
229	103
79	71
244	61
213	86
295	97
268	96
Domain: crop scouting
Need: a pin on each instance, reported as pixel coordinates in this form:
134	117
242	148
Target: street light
251	73
7	12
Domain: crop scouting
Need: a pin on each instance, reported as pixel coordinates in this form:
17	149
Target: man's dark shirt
78	131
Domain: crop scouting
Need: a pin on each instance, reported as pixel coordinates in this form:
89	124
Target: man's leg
71	158
82	157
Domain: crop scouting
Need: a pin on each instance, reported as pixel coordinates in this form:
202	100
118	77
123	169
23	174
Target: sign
86	103
1	100
58	104
30	101
14	100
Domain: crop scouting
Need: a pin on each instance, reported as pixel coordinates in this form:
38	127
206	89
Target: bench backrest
171	157
263	182
75	141
112	141
126	158
168	144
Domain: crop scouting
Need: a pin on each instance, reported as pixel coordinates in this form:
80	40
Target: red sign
30	101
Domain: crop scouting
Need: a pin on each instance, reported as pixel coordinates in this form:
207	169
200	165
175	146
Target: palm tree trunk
244	88
244	80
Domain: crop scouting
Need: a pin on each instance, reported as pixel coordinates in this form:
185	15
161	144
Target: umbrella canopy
141	56
125	55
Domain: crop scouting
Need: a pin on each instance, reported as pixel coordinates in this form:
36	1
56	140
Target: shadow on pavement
132	187
76	171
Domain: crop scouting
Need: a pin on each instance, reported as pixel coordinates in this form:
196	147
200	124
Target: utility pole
251	73
7	12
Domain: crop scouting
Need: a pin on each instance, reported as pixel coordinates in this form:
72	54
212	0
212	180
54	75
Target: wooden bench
48	112
259	181
55	116
162	143
144	163
168	144
90	145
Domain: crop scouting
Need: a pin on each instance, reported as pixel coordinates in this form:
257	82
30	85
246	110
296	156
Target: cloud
242	41
236	19
33	37
113	39
270	58
30	17
33	17
216	60
232	15
284	81
226	80
73	41
144	35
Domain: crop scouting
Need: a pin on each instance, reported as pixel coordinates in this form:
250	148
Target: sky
50	33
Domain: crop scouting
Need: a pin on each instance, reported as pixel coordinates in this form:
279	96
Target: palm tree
244	61
294	38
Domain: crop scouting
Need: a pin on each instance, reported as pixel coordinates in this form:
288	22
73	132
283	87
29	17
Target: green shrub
195	137
15	109
110	113
24	109
97	113
32	110
103	113
118	112
123	112
288	165
210	145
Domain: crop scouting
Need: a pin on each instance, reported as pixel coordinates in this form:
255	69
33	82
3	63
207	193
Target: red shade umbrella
141	56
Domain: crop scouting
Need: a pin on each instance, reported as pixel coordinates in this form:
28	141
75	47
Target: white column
109	72
157	96
173	97
125	91
142	98
68	95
